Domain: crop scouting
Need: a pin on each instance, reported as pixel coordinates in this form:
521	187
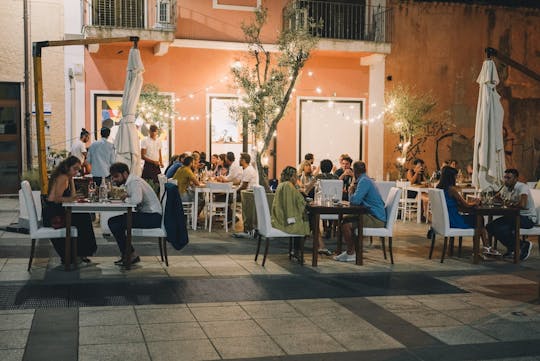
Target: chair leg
266	250
258	247
445	244
432	244
451	247
290	247
160	250
32	249
302	242
383	247
390	249
74	251
460	244
371	242
165	251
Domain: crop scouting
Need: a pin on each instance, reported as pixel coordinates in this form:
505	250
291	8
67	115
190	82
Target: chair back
162	179
440	220
30	206
391	207
332	188
264	222
535	193
163	204
384	188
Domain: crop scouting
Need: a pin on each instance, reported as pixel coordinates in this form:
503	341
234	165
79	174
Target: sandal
326	252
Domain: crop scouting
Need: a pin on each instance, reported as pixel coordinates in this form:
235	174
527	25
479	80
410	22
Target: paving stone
16	321
118	316
13	339
227	313
368	339
173	331
269	310
506	331
421	318
339	323
161	315
114	352
91	335
473	315
305	343
396	302
246	347
243	328
12	355
458	335
182	350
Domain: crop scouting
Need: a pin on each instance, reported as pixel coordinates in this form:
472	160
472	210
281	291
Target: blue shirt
172	169
101	155
367	194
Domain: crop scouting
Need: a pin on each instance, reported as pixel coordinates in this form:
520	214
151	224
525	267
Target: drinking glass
92	191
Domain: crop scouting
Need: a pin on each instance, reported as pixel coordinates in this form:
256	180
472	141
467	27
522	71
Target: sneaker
326	252
488	251
345	257
525	250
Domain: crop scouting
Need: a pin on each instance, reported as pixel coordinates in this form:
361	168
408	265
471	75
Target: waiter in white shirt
78	149
151	154
101	156
147	213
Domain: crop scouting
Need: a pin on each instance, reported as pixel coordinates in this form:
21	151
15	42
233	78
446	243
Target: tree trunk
263	178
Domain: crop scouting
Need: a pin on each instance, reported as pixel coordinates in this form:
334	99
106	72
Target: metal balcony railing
131	14
341	20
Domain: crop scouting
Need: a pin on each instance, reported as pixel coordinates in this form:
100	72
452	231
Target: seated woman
307	180
62	189
455	201
417	176
289	207
186	179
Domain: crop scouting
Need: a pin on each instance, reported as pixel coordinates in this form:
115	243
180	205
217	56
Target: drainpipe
27	128
73	115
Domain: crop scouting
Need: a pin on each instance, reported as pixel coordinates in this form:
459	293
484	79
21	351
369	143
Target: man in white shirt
78	149
147	212
517	194
101	156
249	174
151	154
235	171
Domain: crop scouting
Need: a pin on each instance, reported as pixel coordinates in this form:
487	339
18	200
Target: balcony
153	20
343	20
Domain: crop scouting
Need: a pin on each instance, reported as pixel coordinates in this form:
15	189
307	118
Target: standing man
363	193
101	156
78	149
147	213
517	194
151	154
249	174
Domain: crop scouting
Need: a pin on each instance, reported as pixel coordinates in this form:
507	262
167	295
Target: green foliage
32	176
156	108
267	79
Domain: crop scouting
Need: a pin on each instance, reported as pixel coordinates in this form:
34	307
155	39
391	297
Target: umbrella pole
40	120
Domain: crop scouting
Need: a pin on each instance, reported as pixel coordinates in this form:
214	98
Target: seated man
346	175
147	213
363	193
503	228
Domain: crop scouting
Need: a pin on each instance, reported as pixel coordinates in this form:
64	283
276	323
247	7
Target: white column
374	107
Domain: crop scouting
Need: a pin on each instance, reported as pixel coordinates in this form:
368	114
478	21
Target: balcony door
10	137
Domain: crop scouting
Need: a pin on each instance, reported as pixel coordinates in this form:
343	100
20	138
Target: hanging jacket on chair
175	220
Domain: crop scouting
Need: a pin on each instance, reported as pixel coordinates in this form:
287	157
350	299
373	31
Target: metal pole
40	120
27	110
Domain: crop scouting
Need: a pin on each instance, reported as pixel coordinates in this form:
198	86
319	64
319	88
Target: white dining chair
407	206
384	187
391	208
162	179
218	208
534	231
440	222
160	233
265	229
37	231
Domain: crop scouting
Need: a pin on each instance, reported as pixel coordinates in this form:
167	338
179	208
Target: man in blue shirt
101	155
362	193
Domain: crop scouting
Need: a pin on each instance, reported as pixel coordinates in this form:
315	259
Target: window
118	13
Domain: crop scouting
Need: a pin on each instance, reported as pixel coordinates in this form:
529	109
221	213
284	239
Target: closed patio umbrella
128	149
488	157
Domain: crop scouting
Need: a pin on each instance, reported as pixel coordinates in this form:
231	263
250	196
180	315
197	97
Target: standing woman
62	189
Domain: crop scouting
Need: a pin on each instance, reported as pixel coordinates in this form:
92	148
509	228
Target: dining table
315	209
85	206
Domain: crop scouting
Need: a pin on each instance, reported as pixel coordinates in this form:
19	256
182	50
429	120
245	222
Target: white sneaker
345	257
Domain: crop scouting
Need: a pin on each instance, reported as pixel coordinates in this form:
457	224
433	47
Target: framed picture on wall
107	112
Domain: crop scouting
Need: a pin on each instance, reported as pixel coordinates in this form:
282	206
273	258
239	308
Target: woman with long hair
62	189
455	201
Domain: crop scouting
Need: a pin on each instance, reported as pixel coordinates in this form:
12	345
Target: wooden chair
39	232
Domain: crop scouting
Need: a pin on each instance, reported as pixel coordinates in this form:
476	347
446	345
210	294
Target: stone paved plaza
214	302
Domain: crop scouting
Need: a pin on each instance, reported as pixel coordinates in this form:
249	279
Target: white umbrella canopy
488	157
128	149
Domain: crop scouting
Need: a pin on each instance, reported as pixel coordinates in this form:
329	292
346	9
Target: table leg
476	239
67	246
517	246
339	234
129	225
316	233
359	246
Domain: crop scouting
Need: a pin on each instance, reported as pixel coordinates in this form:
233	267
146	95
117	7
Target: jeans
503	229
118	226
